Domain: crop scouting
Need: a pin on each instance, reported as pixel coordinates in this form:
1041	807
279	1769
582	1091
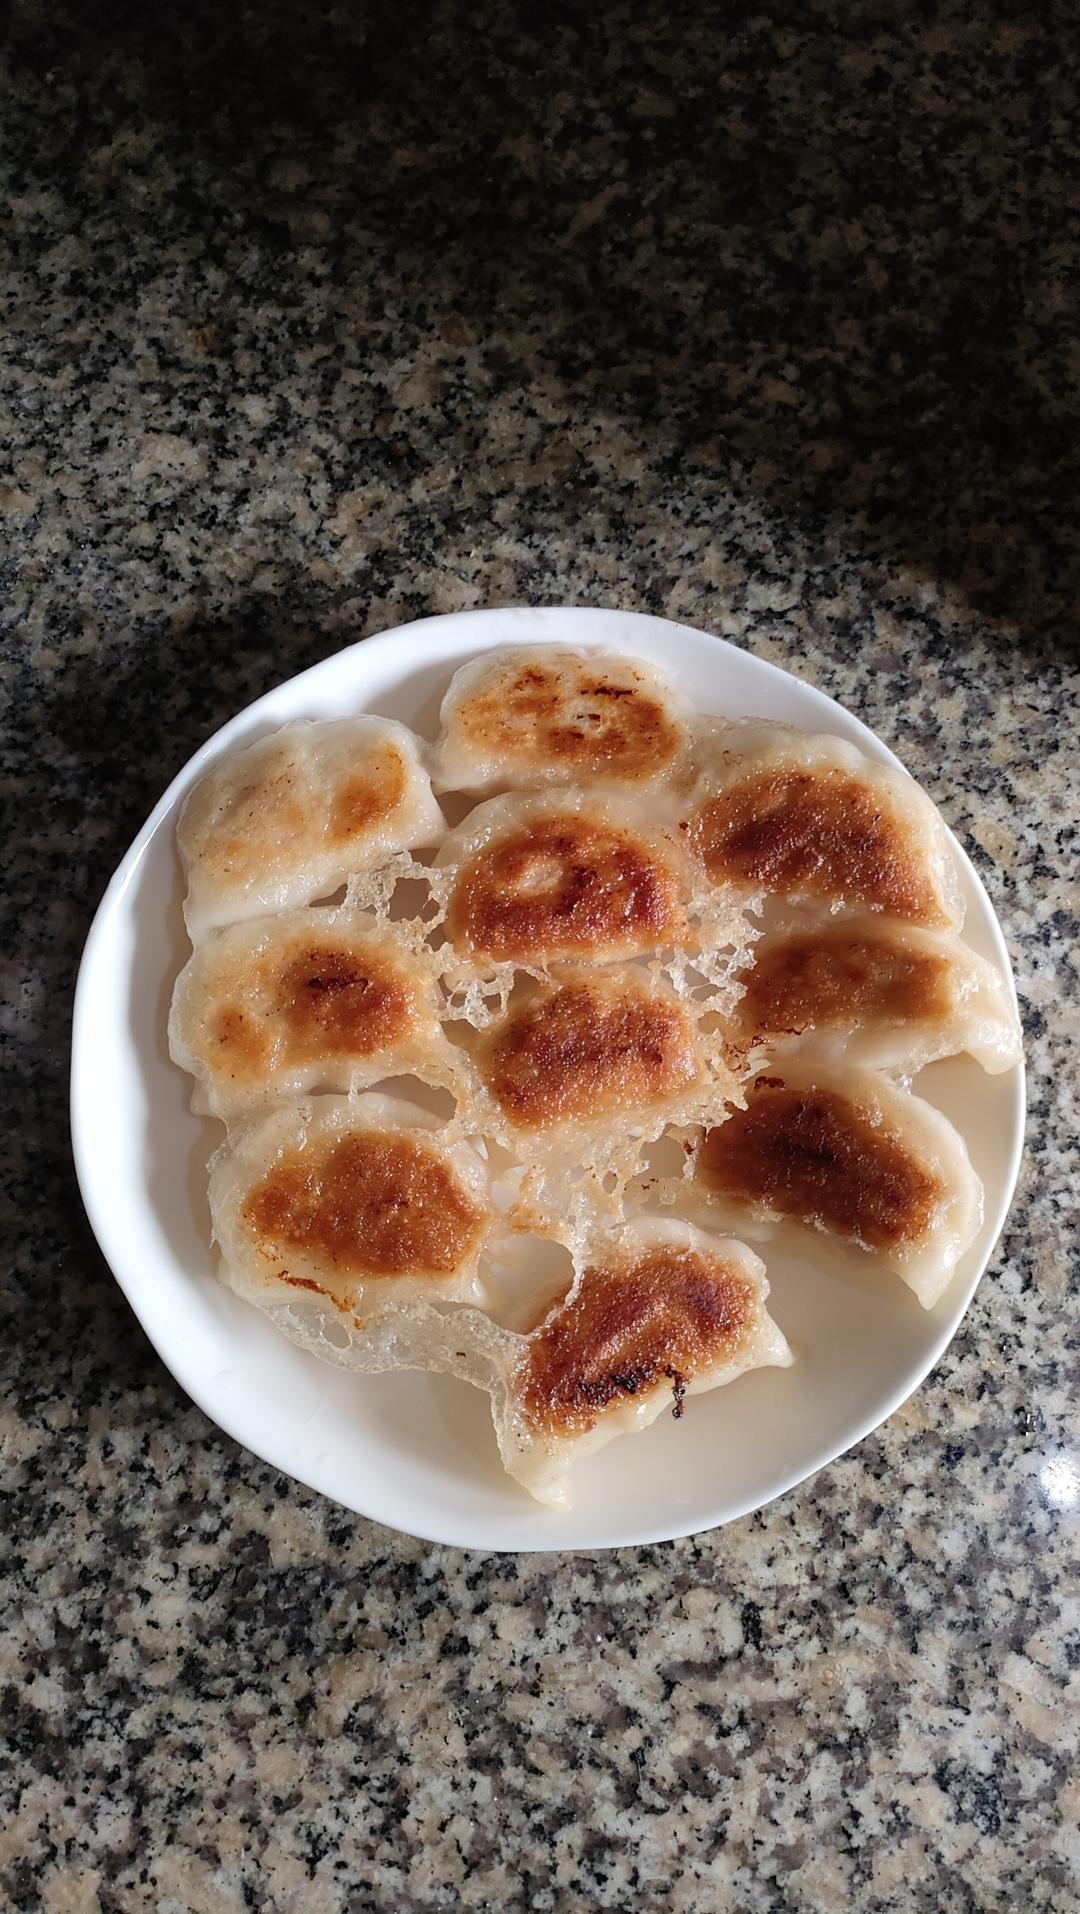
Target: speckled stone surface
316	319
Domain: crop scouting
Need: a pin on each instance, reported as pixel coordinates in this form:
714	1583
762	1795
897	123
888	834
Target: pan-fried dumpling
851	1154
290	818
351	1204
307	1000
883	994
539	716
783	813
592	1066
662	1312
539	880
593	1046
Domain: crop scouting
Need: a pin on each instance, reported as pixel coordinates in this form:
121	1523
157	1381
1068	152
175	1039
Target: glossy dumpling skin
301	1001
541	715
538	880
851	1154
809	818
882	994
348	1205
291	817
662	1312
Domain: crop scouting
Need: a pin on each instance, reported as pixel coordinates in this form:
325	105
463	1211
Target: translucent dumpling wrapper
545	881
849	1153
293	816
881	994
339	1208
589	1068
432	1337
660	1312
809	818
540	715
311	999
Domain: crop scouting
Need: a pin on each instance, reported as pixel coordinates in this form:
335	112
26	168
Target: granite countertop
318	319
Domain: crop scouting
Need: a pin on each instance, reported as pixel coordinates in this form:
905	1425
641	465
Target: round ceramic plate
417	1452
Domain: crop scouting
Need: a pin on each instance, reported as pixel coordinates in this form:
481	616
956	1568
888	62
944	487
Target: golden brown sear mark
370	1204
824	833
238	1046
326	1000
592	1047
345	1003
813	1155
367	797
573	716
564	887
666	1315
832	977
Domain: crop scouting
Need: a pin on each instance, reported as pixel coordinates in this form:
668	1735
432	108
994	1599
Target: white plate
417	1452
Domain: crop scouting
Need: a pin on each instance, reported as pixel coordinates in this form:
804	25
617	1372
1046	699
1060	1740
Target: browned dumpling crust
372	1204
809	818
813	1154
661	1317
822	836
851	1154
329	999
660	1311
358	1200
565	885
342	1003
293	816
540	716
882	993
832	975
597	1045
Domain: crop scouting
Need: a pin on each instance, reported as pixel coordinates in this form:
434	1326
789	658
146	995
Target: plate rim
97	1216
